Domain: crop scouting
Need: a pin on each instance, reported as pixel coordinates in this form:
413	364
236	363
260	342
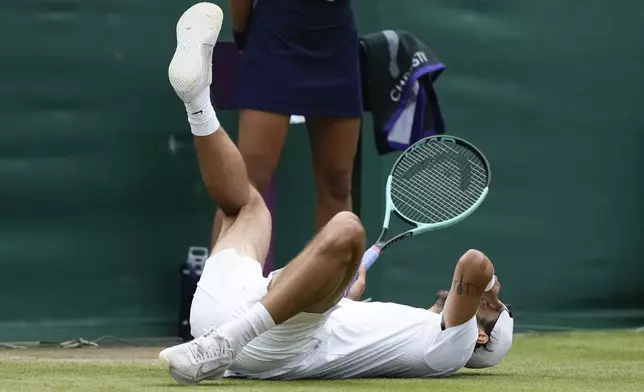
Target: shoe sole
197	33
166	364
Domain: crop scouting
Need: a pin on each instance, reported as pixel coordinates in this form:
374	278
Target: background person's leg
261	139
334	142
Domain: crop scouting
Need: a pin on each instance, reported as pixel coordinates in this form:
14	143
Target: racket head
438	181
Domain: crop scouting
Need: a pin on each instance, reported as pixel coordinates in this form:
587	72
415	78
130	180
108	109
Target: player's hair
488	327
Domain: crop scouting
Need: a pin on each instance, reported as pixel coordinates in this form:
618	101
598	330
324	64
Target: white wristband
490	285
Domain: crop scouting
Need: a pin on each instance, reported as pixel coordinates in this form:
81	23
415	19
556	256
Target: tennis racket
435	183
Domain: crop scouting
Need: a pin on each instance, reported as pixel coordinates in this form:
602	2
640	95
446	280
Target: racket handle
370	257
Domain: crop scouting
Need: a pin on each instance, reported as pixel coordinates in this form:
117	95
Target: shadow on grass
478	375
356	383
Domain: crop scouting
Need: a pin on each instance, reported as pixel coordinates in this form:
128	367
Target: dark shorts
301	57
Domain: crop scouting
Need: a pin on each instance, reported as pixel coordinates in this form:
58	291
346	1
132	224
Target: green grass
567	362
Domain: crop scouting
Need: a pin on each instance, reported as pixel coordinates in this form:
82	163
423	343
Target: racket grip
370	257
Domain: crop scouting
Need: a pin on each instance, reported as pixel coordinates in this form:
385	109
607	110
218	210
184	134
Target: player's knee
348	223
346	230
476	261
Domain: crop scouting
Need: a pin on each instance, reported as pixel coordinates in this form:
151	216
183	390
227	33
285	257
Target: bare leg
245	224
223	171
313	282
249	232
317	278
261	139
473	273
224	174
334	142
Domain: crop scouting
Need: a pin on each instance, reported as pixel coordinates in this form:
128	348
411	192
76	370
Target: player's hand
358	287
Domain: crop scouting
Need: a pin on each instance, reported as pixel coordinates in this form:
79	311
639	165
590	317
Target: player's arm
491	297
472	280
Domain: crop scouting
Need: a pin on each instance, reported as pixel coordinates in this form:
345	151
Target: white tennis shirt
373	339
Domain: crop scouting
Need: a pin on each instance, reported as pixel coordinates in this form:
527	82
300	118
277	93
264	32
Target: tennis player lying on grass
295	323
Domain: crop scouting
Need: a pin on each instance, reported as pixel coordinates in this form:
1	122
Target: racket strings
417	205
427	207
438	181
430	182
443	185
451	181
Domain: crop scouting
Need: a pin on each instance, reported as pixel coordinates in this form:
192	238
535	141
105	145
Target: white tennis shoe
205	358
190	71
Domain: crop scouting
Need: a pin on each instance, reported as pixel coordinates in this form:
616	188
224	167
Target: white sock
201	115
252	324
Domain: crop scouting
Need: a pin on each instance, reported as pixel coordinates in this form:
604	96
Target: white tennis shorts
229	286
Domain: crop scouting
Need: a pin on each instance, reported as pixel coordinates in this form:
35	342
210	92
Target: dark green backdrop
100	197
